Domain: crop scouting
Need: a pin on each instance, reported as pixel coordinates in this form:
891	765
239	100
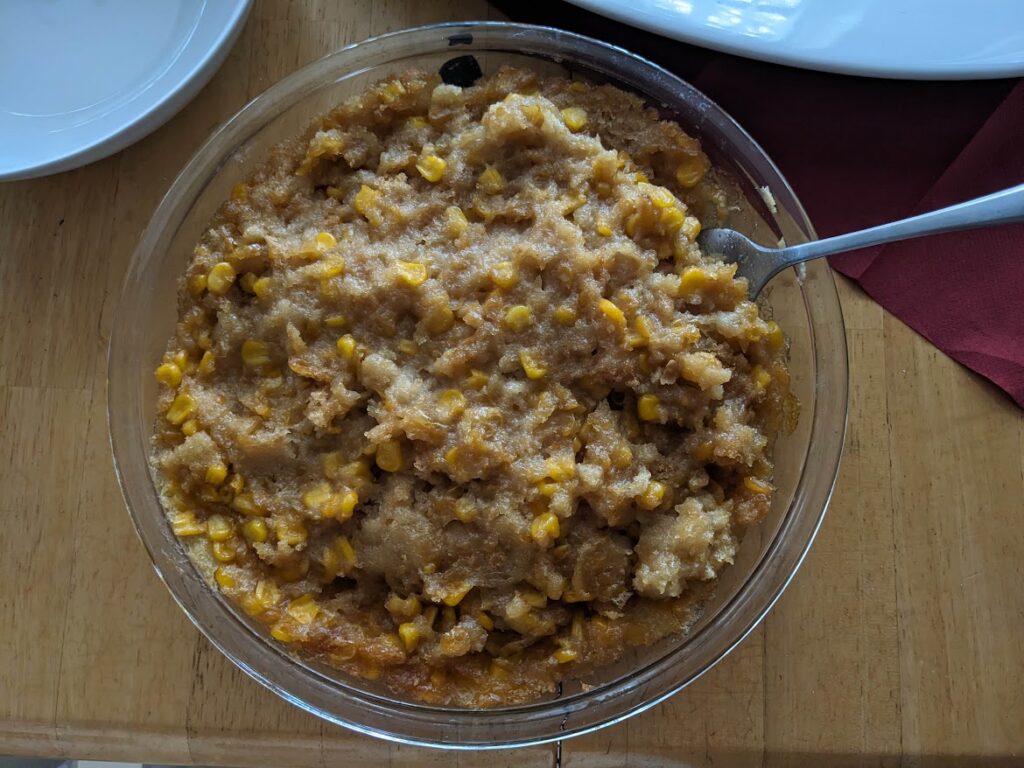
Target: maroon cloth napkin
862	151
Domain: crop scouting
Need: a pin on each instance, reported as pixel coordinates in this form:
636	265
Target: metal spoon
760	264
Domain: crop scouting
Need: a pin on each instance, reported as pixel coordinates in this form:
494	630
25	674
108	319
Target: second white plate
81	79
919	39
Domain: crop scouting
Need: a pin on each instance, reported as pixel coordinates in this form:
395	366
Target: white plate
81	79
921	39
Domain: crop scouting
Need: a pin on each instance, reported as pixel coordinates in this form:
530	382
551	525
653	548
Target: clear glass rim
365	711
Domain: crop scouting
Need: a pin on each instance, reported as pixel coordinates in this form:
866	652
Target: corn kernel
612	312
224	579
756	485
457	222
410	635
648	408
346	346
431	167
534	599
564	655
491	181
407	346
255	530
246	281
690	172
504	274
317	496
622	456
477	379
531	366
518	318
266	593
452	403
261	287
181	408
365	203
219	528
704	451
692	280
185	524
561	468
604	230
418	122
545	529
652	496
196	285
565	315
169	374
439	319
335	321
774	336
206	364
465	511
389	456
281	633
455	595
220	278
451	456
672	219
661	197
690	227
223	551
575	118
255	353
484	620
325	240
244	503
345	549
303	609
762	379
190	427
216	473
411	272
340	506
547	488
292	533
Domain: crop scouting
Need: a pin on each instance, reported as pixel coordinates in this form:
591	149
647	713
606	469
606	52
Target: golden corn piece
518	318
660	196
266	594
317	496
168	374
224	579
246	281
547	488
255	530
484	620
281	633
704	451
255	353
325	240
465	511
216	473
341	505
564	655
561	467
261	287
762	379
648	408
335	321
185	524
545	528
612	312
206	364
690	172
477	379
411	272
652	496
220	278
575	118
431	167
365	203
182	407
344	548
346	346
196	285
533	368
504	274
439	319
622	456
389	456
491	181
409	634
452	403
223	551
692	279
565	315
455	595
418	122
457	222
219	528
757	485
774	335
190	427
291	532
407	346
244	503
672	219
690	227
303	609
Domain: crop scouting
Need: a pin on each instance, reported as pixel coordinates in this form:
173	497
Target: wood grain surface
901	641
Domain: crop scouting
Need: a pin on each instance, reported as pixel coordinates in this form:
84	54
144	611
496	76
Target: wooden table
901	640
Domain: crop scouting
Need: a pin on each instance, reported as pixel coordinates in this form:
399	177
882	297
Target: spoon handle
1004	207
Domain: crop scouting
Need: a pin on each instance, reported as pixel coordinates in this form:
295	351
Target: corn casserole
456	402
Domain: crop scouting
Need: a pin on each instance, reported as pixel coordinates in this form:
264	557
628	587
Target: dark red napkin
862	151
